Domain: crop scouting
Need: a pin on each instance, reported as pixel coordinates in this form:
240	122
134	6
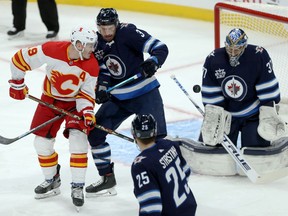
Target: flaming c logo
58	80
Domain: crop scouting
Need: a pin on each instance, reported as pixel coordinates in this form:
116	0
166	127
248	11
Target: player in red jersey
71	76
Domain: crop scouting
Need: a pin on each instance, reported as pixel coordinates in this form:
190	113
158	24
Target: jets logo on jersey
138	159
220	73
234	87
99	54
115	66
212	54
259	49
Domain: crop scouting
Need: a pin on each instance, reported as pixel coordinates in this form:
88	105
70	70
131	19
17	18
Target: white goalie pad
215	161
267	159
207	160
216	122
272	124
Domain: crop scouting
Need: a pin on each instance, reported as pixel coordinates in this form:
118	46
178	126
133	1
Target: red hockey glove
18	89
89	117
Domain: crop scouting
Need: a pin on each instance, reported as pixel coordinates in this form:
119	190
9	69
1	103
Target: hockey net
265	25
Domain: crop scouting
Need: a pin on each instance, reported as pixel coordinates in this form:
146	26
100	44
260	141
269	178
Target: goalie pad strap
216	122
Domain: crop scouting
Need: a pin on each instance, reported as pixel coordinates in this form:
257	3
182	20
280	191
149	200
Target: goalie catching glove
271	125
216	122
18	89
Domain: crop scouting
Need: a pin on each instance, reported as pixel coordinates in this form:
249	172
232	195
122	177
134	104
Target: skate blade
13	37
51	193
77	208
103	193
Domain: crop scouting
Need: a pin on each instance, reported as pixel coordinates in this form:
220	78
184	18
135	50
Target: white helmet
84	35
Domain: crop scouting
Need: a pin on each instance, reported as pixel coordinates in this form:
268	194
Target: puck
196	88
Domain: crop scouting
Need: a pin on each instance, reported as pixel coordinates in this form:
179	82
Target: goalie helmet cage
265	25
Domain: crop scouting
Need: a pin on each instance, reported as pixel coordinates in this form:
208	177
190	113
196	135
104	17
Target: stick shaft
7	141
79	118
136	76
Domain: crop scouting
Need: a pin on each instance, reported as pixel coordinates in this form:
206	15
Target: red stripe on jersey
90	65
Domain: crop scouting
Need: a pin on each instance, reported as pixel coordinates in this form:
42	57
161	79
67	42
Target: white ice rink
189	43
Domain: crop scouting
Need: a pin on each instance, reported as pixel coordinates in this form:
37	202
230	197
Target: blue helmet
107	16
236	37
235	44
144	126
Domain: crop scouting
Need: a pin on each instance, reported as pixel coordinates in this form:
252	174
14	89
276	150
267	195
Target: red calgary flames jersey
66	79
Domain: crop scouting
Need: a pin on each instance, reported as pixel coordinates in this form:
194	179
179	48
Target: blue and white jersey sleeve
147	192
267	87
211	89
142	41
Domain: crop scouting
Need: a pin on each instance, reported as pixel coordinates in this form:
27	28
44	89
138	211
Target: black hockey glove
149	67
102	95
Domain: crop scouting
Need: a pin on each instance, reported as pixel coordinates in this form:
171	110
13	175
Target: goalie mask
235	44
144	126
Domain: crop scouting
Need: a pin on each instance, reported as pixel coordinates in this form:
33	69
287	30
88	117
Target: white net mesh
267	32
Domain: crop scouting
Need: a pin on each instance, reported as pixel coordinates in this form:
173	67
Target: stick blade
7	141
272	176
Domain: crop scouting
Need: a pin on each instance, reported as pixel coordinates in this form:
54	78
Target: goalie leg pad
207	160
216	122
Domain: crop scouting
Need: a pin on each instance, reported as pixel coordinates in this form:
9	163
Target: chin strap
81	51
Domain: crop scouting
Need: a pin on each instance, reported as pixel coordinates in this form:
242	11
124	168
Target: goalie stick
236	154
109	131
7	141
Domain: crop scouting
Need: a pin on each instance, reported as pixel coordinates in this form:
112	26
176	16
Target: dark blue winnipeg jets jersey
160	176
121	59
240	90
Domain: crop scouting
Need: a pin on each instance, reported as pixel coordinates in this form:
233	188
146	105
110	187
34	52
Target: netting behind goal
265	25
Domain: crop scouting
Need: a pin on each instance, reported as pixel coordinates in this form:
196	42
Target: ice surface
189	43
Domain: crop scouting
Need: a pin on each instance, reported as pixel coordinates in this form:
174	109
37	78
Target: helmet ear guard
107	16
144	126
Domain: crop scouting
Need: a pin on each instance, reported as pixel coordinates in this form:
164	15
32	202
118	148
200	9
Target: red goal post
265	25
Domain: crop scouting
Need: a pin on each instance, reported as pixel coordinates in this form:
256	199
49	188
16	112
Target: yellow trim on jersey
19	61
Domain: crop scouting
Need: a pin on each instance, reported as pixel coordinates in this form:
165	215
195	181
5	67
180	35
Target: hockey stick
237	155
7	141
109	131
136	76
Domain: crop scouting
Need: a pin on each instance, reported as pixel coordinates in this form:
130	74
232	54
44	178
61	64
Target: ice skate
49	187
52	35
104	187
77	197
15	33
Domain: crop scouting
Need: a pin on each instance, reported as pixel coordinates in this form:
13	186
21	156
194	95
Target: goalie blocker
216	122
